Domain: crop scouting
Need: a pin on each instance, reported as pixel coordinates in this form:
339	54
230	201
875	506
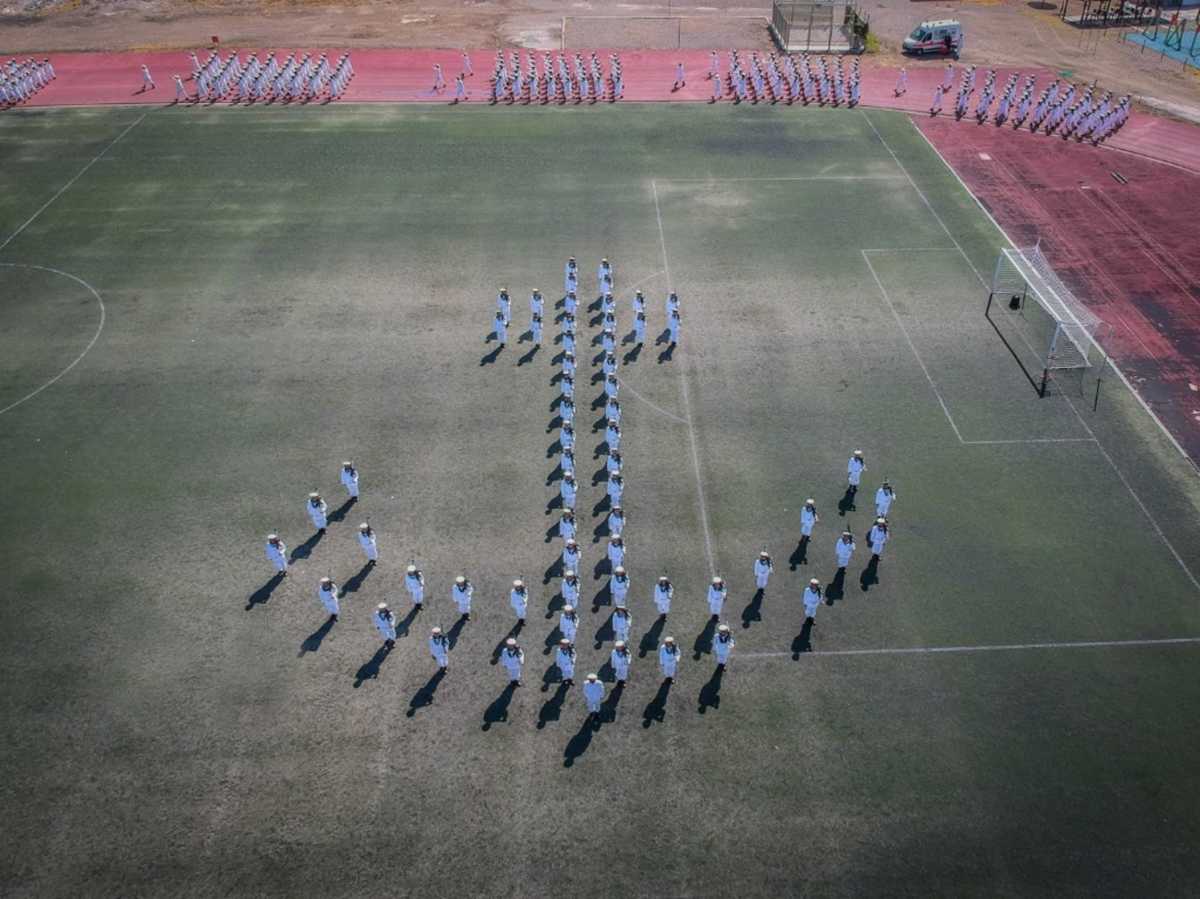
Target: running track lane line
91	343
995	647
1108	458
29	221
687	405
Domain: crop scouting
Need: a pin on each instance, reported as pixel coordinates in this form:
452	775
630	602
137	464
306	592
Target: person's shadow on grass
356	580
497	712
370	670
313	641
305	549
551	709
656	709
424	696
802	642
263	593
339	514
704	639
837	587
753	611
650	639
799	554
491	357
710	693
870	575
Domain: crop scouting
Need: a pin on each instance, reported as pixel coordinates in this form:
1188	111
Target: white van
944	36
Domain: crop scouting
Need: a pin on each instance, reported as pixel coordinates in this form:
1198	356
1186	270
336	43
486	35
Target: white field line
653	405
687	404
722	180
912	346
994	647
1120	374
91	343
29	221
1112	463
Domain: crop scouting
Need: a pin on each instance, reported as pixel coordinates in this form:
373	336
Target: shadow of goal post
1052	325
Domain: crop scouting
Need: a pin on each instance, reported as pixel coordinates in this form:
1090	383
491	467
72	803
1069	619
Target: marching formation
790	81
612	569
561	79
304	79
21	80
1068	112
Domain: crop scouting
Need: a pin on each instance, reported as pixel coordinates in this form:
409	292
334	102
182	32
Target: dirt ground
1013	32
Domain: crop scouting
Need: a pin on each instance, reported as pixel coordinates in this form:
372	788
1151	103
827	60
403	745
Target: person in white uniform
350	479
385	622
884	497
619	586
461	593
327	592
570	556
518	597
622	621
616	521
593	694
439	648
570	587
854	470
621	660
808	517
763	566
844	548
414	581
500	329
513	658
366	539
566	525
317	509
717	592
668	658
812	599
878	537
568	623
616	553
663	592
565	659
566	489
723	645
147	79
277	553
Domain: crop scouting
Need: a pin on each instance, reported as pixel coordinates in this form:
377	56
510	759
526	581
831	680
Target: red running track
1128	248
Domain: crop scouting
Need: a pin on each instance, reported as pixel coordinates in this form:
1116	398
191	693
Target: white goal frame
1070	331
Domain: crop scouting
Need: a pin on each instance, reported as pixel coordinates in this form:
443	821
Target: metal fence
819	27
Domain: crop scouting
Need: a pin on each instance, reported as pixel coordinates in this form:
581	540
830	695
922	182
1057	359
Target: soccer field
243	298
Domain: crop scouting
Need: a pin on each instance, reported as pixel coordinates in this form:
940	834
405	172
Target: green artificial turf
287	288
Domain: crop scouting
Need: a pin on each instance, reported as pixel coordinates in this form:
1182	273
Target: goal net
1056	329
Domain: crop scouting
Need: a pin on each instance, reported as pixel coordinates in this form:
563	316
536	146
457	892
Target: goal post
1054	327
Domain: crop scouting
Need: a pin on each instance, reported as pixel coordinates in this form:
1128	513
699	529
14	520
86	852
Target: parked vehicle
943	37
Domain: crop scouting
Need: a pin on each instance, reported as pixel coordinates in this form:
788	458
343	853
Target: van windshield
919	34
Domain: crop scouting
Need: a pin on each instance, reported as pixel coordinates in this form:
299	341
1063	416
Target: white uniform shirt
386	625
316	511
883	502
619	587
716	599
565	659
620	662
722	648
568	627
844	552
854	469
570	591
662	597
879	537
668	660
328	598
513	660
462	596
350	481
593	692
